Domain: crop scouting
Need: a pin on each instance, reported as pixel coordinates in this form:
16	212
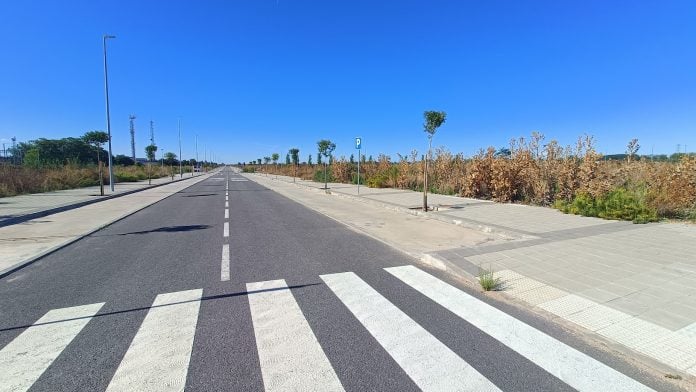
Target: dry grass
16	180
538	172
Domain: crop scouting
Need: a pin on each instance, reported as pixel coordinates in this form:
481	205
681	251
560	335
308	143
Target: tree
433	121
150	152
631	149
318	159
123	160
309	160
96	139
295	154
170	159
352	159
287	158
266	160
326	147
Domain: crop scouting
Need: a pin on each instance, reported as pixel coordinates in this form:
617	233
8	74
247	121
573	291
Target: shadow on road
204	298
168	229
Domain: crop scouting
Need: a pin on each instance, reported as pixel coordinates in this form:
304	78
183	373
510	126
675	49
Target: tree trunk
101	178
425	176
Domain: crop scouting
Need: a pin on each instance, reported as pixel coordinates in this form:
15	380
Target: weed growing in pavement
673	376
488	281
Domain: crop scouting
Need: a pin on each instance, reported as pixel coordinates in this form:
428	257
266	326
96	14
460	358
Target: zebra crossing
291	357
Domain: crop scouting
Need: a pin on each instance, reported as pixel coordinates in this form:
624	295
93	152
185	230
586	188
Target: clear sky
260	76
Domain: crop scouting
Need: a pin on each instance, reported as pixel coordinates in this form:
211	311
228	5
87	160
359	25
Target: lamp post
181	172
108	119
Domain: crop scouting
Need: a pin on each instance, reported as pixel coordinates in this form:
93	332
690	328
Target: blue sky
260	76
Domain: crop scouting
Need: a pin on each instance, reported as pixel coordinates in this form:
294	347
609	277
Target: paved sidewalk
633	284
25	242
12	208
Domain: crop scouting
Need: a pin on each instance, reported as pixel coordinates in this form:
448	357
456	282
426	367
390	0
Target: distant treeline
68	151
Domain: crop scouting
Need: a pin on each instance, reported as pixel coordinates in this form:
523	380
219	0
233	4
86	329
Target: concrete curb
71	206
503	234
39	256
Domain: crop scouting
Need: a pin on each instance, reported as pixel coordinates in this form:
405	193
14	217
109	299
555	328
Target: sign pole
358	145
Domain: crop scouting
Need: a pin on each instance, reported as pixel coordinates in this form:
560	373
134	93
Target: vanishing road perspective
249	282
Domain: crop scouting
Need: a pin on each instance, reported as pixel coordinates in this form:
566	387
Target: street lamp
108	119
181	171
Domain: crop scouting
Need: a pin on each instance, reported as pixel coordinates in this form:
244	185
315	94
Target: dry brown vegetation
15	180
574	179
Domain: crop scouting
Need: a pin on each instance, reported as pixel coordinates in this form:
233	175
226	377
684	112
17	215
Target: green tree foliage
287	159
295	155
326	148
170	158
433	121
150	152
58	151
275	157
123	160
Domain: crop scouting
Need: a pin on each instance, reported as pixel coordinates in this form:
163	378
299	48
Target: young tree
309	160
433	121
150	152
631	149
326	147
169	159
96	139
287	158
295	154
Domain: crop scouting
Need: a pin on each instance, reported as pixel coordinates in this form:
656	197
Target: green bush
621	203
319	175
127	177
377	181
248	169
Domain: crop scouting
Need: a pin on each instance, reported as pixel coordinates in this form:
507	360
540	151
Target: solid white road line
290	355
578	370
226	229
225	265
26	357
158	358
227	213
429	363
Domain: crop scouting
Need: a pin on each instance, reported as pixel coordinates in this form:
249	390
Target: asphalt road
345	323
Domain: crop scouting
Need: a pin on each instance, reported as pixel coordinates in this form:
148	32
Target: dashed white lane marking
227	213
227	204
158	358
227	198
578	370
226	229
26	357
225	264
290	355
431	364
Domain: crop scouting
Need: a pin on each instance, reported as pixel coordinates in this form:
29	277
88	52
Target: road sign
358	143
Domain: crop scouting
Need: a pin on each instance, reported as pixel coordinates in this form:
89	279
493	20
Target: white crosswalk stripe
431	364
578	370
290	355
24	359
158	357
